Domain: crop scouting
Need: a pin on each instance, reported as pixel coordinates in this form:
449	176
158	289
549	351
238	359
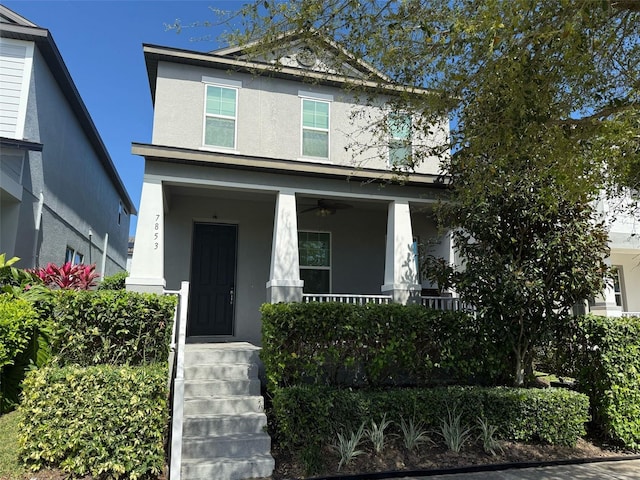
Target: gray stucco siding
268	117
68	172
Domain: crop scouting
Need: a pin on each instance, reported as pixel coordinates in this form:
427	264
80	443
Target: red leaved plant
68	276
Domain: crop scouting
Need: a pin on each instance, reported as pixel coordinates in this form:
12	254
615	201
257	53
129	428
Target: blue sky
101	44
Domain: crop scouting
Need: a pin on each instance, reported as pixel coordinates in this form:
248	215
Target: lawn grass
10	467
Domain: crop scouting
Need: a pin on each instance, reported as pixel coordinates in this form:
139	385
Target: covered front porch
243	239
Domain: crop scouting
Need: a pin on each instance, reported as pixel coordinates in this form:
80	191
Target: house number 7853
156	235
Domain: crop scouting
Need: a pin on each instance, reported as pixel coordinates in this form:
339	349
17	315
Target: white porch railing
445	303
176	376
345	298
631	314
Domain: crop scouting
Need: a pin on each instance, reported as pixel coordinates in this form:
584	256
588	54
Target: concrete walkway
619	470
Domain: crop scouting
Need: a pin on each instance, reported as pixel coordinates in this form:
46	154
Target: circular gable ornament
306	57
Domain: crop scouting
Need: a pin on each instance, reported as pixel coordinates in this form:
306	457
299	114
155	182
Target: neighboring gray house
252	194
61	198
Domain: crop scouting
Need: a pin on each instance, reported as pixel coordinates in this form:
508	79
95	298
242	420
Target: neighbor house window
400	140
220	116
315	128
73	256
617	285
315	261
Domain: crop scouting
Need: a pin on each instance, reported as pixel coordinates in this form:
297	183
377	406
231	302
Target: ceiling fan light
323	212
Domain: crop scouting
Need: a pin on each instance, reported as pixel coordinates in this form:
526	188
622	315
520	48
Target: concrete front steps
223	433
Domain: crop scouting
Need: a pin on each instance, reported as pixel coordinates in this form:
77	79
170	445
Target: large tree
543	97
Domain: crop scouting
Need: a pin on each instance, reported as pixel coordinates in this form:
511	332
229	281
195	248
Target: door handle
231	296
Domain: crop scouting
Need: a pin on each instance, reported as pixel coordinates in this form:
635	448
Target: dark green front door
213	280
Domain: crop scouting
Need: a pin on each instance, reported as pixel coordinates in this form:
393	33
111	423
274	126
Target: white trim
24	88
275	189
326	97
223	82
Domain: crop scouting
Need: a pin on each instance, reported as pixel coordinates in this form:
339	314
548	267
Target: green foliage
103	421
313	415
17	323
111	327
413	433
376	345
347	446
604	356
376	433
487	437
114	282
454	434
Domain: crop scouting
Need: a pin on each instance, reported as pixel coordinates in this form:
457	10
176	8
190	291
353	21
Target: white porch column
400	273
147	263
284	283
605	303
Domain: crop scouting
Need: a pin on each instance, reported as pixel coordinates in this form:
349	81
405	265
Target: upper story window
400	150
315	126
221	105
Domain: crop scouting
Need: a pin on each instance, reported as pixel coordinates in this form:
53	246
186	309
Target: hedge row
377	345
104	421
604	356
111	327
312	415
18	320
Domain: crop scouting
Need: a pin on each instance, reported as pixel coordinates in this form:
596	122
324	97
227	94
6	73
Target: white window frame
317	267
619	293
320	98
220	83
392	139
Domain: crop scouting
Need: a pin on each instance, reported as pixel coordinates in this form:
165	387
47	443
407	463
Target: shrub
17	322
103	421
313	415
376	345
114	282
68	276
112	327
604	353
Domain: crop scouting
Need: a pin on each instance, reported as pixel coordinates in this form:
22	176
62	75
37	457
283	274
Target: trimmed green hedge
101	420
313	415
376	345
111	327
605	355
18	320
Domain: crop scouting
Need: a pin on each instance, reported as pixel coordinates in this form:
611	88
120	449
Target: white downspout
104	254
37	232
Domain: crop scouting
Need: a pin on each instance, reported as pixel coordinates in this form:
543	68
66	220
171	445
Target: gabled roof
312	38
16	27
233	59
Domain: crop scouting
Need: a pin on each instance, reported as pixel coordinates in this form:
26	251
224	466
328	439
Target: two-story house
252	193
61	198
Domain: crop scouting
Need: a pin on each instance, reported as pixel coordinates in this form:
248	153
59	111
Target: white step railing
176	375
345	298
631	314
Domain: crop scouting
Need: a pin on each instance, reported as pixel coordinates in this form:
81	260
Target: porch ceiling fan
324	208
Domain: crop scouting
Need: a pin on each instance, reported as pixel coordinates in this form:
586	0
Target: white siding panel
16	58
